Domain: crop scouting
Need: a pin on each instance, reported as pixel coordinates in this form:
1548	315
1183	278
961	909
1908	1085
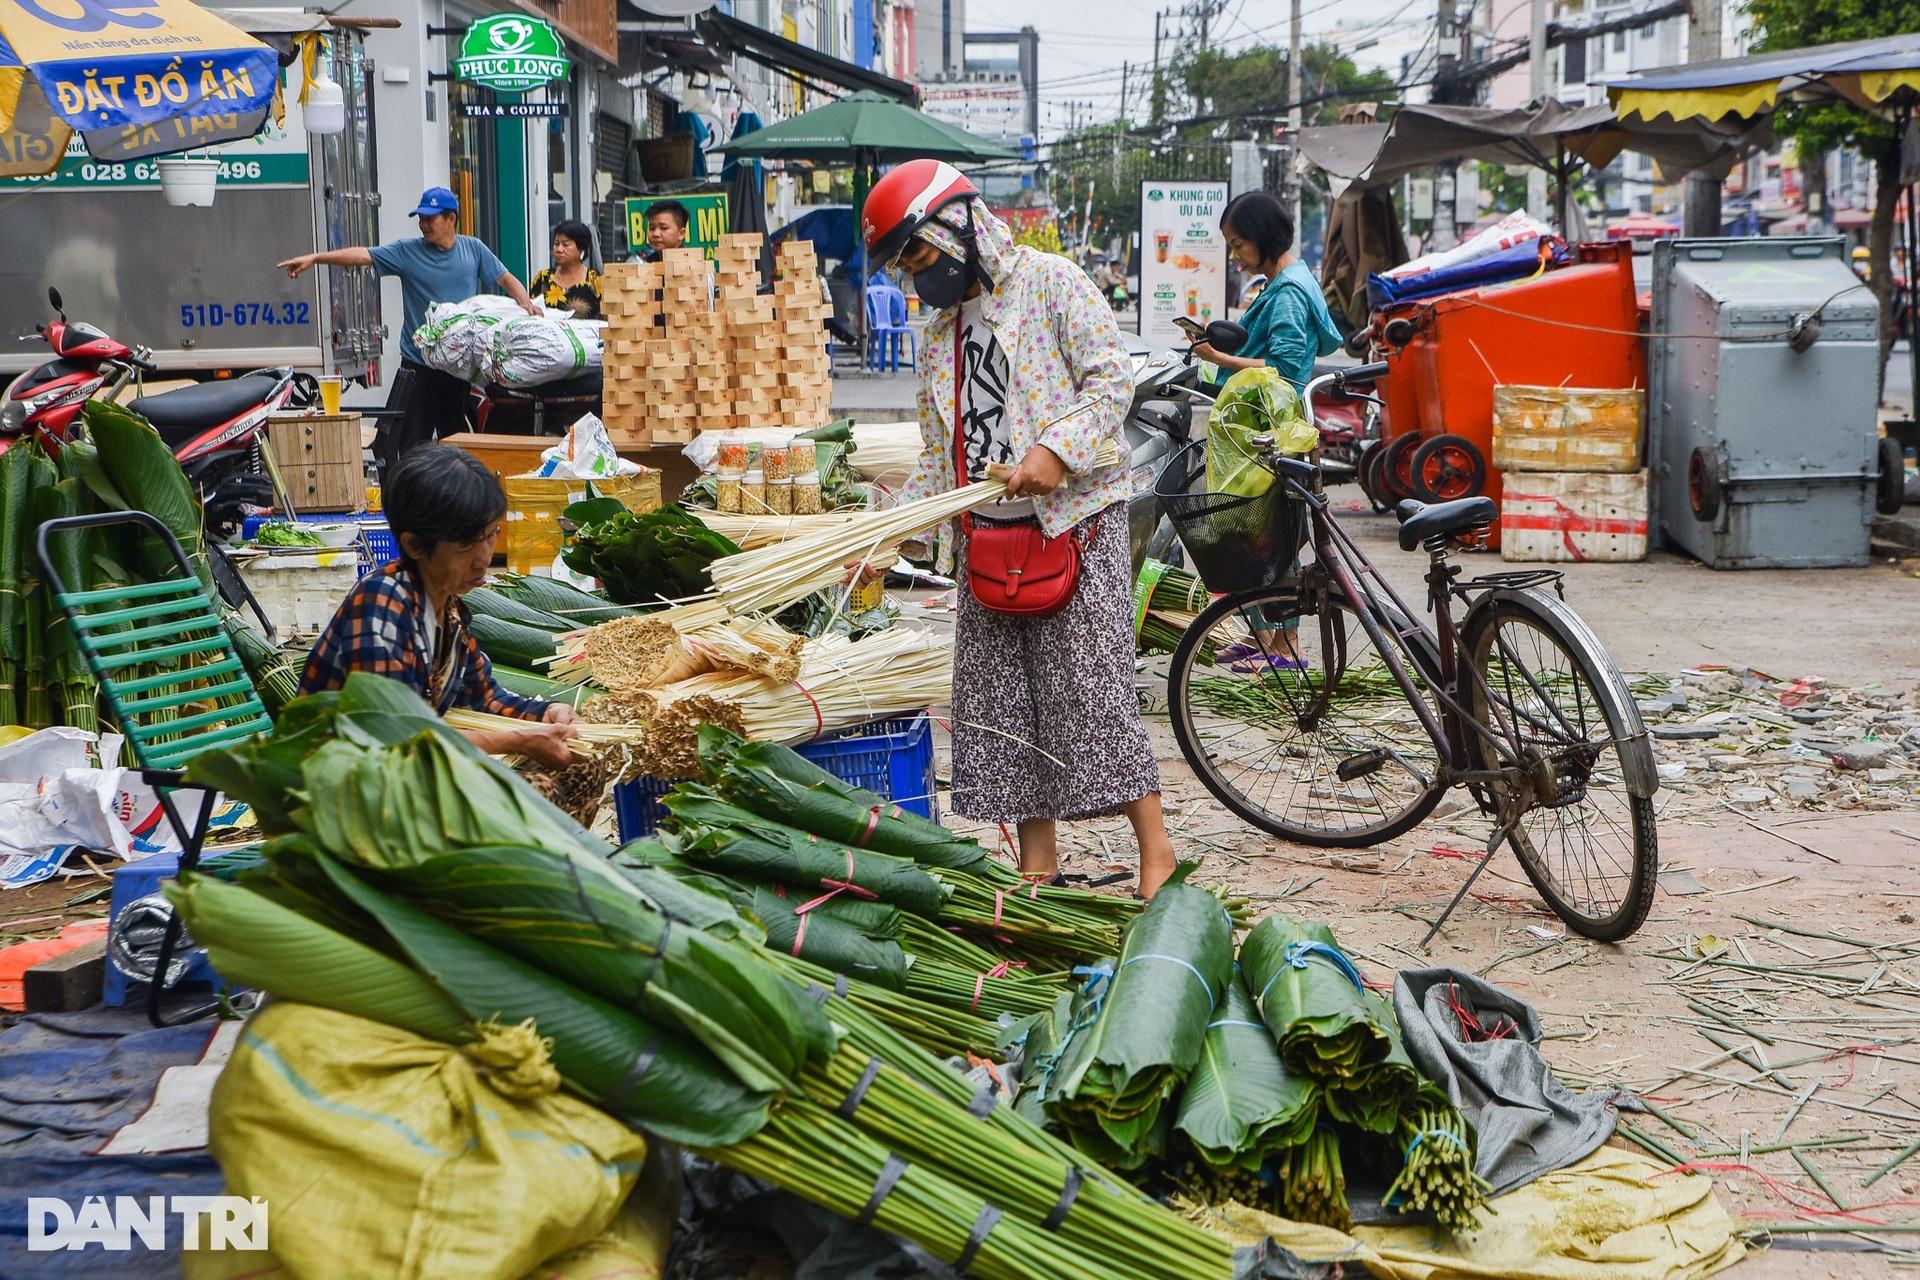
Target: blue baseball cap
436	200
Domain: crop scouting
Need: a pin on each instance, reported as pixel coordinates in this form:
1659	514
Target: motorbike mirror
1226	337
53	296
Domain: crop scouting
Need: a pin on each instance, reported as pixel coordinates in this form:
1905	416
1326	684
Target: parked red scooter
215	429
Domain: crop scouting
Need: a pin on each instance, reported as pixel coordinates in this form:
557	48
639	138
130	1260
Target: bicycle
1319	709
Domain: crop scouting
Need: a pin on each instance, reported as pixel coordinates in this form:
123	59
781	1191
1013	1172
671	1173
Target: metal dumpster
1763	456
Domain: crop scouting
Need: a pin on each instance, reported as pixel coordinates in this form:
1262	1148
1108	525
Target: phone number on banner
212	315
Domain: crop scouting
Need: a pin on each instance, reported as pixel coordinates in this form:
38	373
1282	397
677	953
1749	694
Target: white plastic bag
54	799
586	453
1515	228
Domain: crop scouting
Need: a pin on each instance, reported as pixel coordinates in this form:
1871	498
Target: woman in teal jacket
1287	326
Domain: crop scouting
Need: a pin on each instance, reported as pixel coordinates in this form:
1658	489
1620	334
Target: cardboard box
1560	429
1573	516
305	440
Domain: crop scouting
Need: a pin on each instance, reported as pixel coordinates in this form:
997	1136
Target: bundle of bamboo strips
750	533
772	578
840	683
570	664
886	453
646	652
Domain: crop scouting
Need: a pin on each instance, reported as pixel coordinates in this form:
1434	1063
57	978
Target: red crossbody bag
1012	569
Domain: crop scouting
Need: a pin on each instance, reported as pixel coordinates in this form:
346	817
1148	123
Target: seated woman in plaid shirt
406	620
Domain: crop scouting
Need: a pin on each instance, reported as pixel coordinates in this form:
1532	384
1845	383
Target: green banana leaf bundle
777	782
16	537
643	558
830	937
275	676
1439	1147
446	837
561	600
1115	1079
1241	1104
130	468
1330	1028
735	842
431	979
496	604
514	643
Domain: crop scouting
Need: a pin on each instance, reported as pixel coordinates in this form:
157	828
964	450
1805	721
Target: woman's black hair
579	233
441	494
1262	221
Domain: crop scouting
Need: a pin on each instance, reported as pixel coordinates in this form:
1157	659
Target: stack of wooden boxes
802	312
630	301
693	345
1573	488
319	459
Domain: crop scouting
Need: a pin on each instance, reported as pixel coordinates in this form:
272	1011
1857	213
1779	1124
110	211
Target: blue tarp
1515	263
67	1082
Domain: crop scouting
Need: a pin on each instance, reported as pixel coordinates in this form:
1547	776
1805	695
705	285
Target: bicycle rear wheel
1329	753
1586	841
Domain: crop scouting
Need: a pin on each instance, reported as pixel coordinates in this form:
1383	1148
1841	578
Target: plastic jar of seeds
780	496
774	462
726	494
806	481
753	493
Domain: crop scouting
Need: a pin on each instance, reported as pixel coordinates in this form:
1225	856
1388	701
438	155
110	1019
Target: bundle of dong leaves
410	879
1258	1081
117	463
643	558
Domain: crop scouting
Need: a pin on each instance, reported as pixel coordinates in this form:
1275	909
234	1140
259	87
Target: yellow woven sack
380	1153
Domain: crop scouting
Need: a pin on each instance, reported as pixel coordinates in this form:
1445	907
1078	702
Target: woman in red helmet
1022	372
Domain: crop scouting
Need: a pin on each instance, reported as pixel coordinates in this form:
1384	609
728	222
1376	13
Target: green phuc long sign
511	52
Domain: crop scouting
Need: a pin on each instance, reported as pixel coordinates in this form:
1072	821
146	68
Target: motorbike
1167	384
217	430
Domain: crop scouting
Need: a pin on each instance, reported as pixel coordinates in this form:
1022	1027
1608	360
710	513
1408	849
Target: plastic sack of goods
529	350
488	338
458	336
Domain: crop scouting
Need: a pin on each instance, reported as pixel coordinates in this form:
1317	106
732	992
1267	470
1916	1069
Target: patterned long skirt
1045	720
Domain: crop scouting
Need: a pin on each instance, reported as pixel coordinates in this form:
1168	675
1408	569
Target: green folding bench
157	649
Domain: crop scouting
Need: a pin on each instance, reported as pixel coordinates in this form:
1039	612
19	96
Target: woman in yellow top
570	283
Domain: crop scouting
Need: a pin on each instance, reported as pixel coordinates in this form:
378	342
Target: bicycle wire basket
1234	543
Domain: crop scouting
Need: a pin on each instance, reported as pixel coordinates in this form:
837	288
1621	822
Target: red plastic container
1465	343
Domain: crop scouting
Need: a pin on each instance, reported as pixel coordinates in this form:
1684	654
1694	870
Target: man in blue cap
441	266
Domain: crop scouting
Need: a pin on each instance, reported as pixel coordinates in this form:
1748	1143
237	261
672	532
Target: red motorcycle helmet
902	202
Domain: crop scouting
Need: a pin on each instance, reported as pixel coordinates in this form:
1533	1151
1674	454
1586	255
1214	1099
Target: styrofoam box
301	592
1573	516
1566	428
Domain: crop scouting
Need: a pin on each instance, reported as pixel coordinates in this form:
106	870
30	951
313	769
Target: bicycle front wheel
1289	715
1585	840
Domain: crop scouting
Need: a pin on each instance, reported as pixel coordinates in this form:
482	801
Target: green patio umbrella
862	131
865	129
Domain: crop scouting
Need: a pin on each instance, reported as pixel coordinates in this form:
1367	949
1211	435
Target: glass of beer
330	395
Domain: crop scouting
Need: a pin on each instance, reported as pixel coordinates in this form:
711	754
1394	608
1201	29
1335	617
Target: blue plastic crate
891	758
377	543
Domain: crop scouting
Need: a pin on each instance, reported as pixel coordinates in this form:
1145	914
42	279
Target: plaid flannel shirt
378	630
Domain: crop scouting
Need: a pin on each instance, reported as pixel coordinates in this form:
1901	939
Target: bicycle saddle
1420	520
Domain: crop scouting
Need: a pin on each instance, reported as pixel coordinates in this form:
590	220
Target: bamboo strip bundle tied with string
840	683
772	578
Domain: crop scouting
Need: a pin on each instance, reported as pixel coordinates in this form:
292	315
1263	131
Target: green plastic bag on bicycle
1253	402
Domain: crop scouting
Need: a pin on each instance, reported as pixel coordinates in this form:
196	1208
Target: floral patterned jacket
1062	347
